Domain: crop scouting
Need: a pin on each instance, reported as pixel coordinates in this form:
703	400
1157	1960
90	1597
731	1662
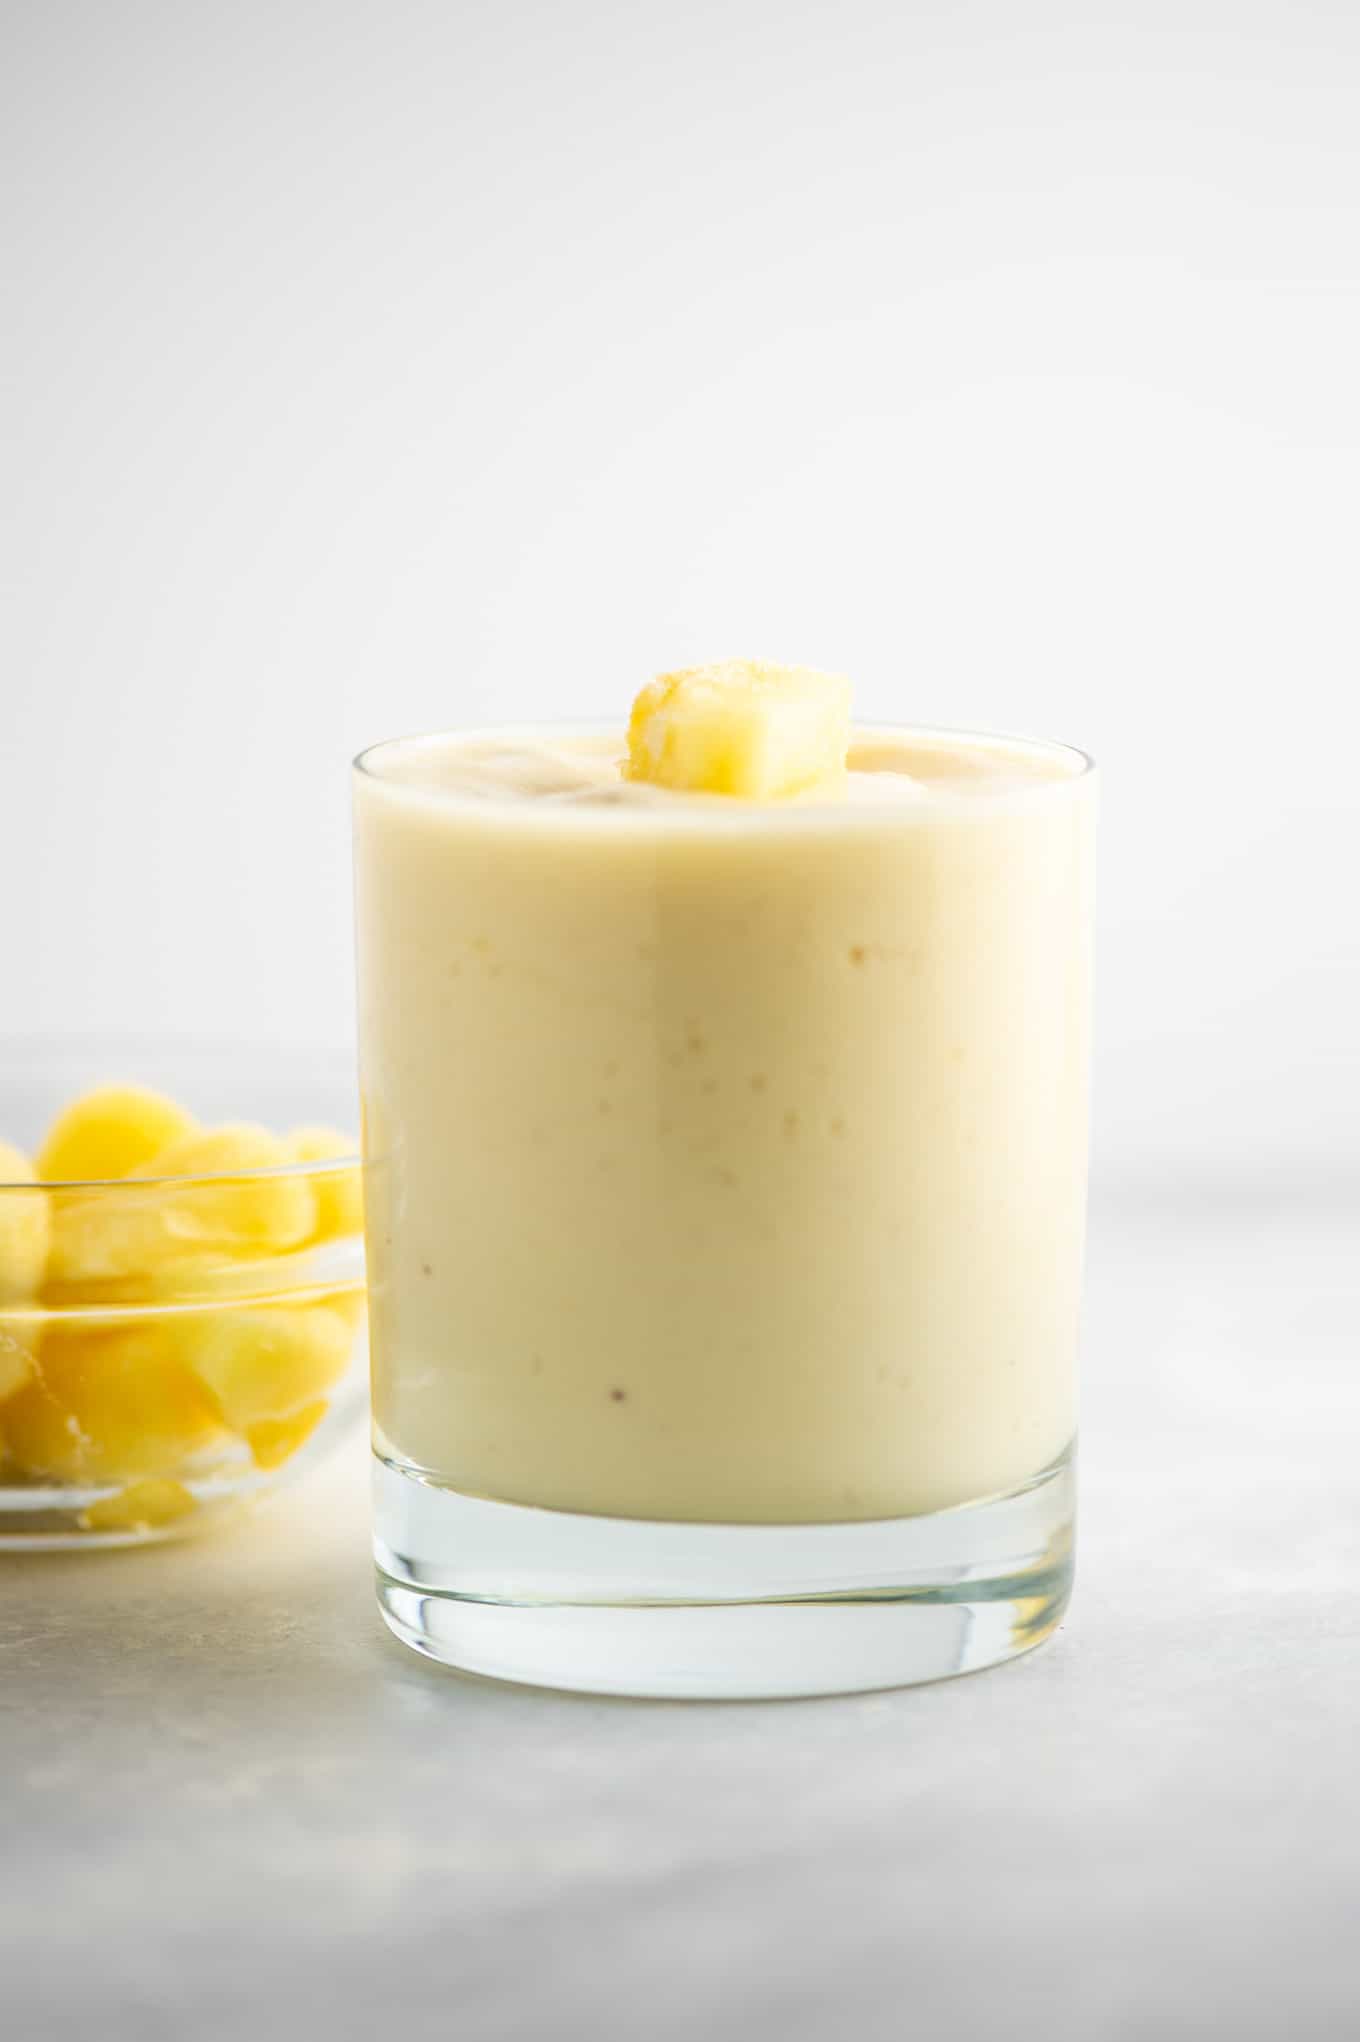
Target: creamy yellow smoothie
725	1156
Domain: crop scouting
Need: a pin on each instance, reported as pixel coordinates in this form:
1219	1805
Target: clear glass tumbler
725	1180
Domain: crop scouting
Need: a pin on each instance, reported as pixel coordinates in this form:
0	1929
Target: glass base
612	1605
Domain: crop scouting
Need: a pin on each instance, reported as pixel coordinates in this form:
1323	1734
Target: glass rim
705	810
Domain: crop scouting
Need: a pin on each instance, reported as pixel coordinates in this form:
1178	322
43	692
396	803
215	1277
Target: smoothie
725	1157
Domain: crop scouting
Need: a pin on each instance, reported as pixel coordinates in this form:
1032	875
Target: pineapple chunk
109	1132
351	1303
339	1193
25	1230
267	1362
145	1234
274	1440
18	1351
743	727
105	1237
252	1214
111	1402
142	1506
25	1222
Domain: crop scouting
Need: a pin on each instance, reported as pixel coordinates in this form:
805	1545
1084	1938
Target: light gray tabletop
235	1808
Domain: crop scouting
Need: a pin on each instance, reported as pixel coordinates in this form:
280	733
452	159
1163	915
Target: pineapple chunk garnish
741	726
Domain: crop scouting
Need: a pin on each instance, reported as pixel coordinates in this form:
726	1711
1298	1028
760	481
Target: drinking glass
725	1180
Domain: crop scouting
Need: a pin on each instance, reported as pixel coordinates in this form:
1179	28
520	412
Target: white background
377	367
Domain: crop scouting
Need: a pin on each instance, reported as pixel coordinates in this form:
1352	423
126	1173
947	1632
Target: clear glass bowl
173	1346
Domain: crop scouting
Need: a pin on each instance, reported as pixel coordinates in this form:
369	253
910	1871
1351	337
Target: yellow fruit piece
18	1351
274	1440
25	1225
110	1403
268	1361
115	1233
266	1213
743	727
108	1132
140	1507
339	1193
146	1232
352	1305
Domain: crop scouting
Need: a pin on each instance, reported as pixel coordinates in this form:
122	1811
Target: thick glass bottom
618	1606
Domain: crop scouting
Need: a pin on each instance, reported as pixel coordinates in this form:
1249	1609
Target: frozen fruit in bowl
182	1309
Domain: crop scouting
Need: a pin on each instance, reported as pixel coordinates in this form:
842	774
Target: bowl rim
327	1166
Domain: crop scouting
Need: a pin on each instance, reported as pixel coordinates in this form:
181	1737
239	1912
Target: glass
171	1347
725	1177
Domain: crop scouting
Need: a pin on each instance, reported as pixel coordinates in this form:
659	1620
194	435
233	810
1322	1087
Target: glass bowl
172	1345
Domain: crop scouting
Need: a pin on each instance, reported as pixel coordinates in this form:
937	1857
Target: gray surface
234	1807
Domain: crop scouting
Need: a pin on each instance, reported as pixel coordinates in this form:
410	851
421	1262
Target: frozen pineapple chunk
743	727
339	1193
142	1506
106	1237
351	1304
25	1229
18	1352
267	1362
25	1222
275	1440
143	1234
109	1132
111	1403
252	1213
